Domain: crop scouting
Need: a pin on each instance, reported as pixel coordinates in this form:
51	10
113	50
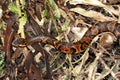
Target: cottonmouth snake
79	46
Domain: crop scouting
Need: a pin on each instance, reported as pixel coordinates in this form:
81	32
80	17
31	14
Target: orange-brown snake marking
81	45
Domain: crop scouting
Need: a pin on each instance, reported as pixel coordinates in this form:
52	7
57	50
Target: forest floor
53	40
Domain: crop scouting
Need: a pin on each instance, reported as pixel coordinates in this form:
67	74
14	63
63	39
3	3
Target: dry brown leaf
108	8
78	32
93	14
87	2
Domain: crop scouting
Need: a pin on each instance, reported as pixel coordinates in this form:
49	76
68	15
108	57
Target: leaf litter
67	21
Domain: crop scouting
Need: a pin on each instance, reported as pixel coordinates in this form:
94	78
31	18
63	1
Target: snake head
20	42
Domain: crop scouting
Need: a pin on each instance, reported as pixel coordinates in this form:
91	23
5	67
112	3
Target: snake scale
81	45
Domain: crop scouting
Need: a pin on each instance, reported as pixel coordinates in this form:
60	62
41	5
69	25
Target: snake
79	46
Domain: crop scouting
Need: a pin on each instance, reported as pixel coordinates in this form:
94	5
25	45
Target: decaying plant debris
66	21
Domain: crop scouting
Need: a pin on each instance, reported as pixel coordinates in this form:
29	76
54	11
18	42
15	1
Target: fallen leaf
93	14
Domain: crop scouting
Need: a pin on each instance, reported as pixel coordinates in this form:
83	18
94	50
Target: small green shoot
21	15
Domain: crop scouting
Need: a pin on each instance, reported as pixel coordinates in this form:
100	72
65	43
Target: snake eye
19	42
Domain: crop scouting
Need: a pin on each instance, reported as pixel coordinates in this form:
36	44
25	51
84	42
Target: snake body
83	44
